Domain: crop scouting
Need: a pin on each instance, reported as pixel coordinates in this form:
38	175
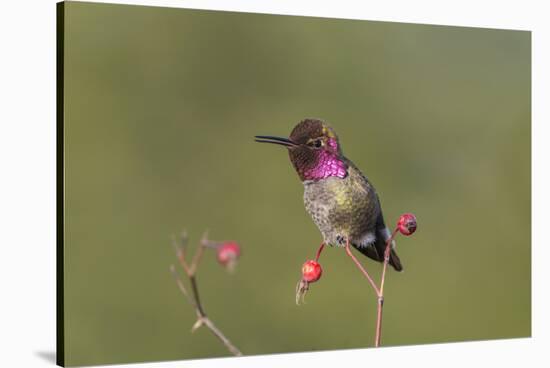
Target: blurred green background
161	108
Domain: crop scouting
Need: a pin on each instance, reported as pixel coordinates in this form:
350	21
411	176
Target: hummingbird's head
313	149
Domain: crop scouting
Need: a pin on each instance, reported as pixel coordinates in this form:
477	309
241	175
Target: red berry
311	271
407	224
228	253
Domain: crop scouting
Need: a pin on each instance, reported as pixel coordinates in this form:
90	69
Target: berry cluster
312	270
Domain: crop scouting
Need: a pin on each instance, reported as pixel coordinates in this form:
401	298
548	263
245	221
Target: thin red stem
358	264
378	336
319	252
387	251
386	260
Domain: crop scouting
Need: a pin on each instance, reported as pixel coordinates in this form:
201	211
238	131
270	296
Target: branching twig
361	268
378	290
193	299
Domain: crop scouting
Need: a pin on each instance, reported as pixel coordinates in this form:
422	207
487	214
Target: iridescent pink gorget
328	164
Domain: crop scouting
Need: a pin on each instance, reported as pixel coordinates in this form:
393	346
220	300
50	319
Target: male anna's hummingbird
340	199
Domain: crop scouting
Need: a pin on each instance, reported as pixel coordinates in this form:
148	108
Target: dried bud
407	224
311	271
301	290
228	253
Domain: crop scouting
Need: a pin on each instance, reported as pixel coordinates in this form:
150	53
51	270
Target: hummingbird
340	199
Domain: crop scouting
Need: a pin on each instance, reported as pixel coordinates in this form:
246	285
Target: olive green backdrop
161	106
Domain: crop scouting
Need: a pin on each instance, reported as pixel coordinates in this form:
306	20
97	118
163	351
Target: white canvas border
27	187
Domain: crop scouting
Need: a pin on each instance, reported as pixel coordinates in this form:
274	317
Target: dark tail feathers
376	251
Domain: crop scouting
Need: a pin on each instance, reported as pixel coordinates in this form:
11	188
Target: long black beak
275	140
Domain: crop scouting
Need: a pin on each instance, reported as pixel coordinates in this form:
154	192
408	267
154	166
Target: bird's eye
318	143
